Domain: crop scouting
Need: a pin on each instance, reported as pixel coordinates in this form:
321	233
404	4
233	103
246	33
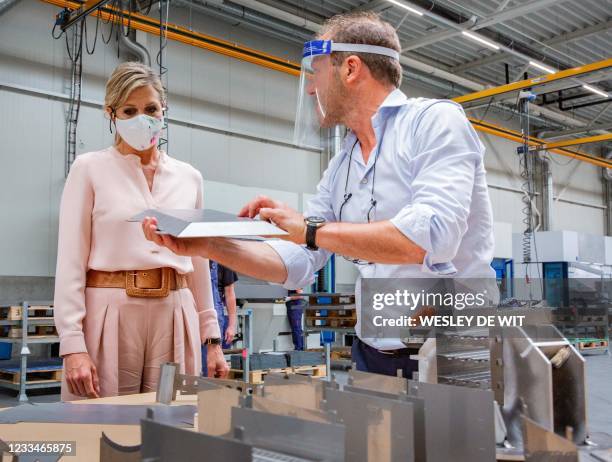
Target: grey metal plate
181	416
418	410
297	390
290	435
165	443
207	223
459	422
377	382
378	429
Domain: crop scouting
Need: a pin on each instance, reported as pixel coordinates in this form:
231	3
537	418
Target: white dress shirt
430	182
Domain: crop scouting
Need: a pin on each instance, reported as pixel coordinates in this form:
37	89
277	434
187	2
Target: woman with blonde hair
124	306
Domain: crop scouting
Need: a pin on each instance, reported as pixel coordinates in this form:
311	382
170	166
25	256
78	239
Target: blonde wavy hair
126	78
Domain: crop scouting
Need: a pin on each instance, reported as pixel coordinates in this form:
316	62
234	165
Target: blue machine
504	273
556	287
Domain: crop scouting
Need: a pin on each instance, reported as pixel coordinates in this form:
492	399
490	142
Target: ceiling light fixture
597	91
406	7
550	70
480	39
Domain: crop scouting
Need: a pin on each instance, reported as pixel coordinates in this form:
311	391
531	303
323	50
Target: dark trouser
295	310
368	359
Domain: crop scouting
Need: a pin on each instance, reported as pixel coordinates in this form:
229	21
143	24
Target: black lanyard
348	195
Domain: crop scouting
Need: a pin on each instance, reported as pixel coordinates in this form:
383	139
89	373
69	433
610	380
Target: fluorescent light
597	91
406	7
479	39
550	70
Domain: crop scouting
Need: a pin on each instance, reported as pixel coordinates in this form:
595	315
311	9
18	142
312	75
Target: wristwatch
212	341
312	225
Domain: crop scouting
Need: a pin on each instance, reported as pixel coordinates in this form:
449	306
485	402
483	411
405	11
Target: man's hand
280	214
230	332
81	375
288	220
251	210
189	247
216	364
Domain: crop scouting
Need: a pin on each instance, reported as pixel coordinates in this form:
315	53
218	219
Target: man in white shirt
405	198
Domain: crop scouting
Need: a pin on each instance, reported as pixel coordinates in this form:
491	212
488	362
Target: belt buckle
159	292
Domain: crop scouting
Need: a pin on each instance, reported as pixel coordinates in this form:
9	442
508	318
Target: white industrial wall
231	106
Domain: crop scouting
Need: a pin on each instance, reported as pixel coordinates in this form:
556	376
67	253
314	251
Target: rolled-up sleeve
445	154
300	262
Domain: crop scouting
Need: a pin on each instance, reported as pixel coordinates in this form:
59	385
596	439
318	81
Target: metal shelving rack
323	301
25	352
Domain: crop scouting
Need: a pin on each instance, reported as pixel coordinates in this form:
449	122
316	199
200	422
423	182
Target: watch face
315	220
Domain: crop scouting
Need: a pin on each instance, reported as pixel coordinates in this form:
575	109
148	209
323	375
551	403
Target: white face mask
140	132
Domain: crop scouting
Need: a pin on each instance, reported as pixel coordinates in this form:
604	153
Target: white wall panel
204	88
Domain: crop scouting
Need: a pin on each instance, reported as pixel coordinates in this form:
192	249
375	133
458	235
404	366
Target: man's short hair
366	28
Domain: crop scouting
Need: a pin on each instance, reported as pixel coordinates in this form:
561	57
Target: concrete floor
599	393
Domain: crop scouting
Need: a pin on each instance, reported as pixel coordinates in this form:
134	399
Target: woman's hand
81	375
189	247
216	364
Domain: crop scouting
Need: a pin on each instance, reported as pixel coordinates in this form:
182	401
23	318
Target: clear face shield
315	105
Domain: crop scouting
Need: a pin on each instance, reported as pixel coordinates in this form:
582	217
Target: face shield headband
315	77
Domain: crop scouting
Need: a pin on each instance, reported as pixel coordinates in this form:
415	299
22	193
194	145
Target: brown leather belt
151	283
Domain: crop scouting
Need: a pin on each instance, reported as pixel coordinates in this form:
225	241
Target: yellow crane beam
180	34
234	50
536	81
537	143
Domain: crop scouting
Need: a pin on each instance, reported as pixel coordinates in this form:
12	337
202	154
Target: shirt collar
394	99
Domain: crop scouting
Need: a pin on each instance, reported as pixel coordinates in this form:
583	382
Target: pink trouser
128	338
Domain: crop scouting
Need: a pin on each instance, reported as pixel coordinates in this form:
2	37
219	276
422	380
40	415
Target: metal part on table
181	415
418	411
168	383
110	451
215	403
541	445
302	438
459	422
377	429
165	443
553	397
377	382
302	391
259	403
463	355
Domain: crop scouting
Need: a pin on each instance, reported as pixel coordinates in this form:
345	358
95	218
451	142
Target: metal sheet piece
459	422
166	443
377	429
301	391
542	445
208	223
315	441
115	414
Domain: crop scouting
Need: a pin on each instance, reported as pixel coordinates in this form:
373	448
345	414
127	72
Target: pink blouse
103	190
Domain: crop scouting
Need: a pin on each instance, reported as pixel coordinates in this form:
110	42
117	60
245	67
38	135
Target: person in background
224	296
227	279
296	304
